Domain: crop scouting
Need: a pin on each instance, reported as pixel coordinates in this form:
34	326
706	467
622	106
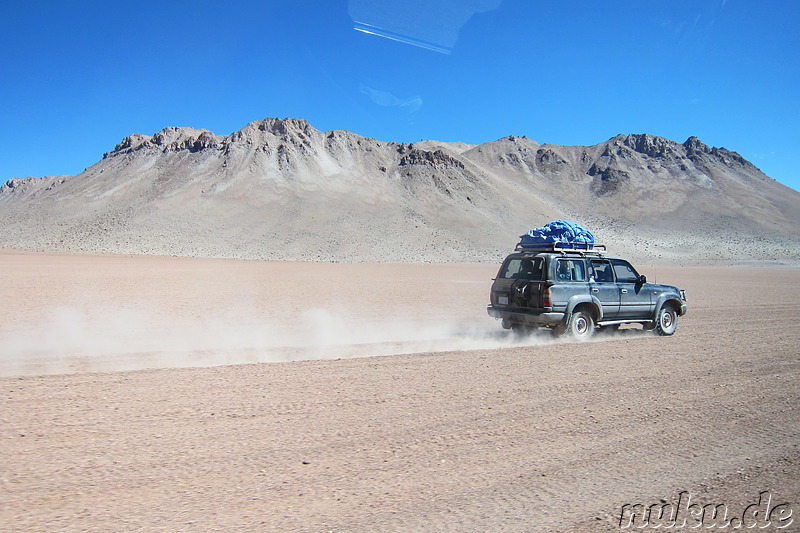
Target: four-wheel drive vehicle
576	291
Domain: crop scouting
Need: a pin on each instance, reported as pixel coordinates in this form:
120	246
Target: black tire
580	325
666	320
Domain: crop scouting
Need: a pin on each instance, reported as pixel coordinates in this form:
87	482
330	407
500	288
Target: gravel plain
175	394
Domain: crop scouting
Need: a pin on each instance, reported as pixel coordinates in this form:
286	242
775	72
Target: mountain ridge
281	189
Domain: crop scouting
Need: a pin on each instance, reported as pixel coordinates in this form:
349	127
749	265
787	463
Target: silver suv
576	291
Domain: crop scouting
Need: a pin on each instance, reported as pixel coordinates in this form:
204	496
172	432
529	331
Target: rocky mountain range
280	189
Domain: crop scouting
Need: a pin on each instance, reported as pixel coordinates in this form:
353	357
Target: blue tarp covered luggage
568	234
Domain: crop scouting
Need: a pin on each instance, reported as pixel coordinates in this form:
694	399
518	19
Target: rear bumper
517	317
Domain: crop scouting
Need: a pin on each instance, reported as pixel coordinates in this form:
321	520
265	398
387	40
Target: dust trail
99	338
102	338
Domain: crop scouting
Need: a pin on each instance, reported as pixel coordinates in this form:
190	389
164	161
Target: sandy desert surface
175	394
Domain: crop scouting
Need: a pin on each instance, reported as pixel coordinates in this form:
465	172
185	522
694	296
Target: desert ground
143	393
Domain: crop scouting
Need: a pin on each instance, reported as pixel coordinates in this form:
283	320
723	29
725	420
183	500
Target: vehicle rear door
571	279
603	287
519	283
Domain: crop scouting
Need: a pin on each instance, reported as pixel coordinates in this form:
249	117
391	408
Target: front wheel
666	320
580	325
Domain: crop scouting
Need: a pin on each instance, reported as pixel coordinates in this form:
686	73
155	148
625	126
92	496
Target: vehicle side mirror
642	279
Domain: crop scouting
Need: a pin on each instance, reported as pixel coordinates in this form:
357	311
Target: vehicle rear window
523	268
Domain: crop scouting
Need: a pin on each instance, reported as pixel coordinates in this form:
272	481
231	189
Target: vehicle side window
571	270
523	267
624	271
602	272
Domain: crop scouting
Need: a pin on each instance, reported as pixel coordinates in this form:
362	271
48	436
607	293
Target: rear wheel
580	325
667	320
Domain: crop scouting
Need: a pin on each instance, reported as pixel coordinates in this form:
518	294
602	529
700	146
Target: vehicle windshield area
523	268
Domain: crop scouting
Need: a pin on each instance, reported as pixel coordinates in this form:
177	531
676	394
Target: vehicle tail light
546	301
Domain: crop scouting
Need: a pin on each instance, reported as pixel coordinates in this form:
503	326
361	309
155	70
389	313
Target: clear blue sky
77	76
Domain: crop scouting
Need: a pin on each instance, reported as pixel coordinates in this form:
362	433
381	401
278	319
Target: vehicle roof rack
563	247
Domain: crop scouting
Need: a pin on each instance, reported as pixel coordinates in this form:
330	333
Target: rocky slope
280	189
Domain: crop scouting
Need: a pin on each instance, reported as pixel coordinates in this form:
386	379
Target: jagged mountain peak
695	144
417	156
131	142
651	145
176	138
172	134
169	139
278	127
692	149
644	143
